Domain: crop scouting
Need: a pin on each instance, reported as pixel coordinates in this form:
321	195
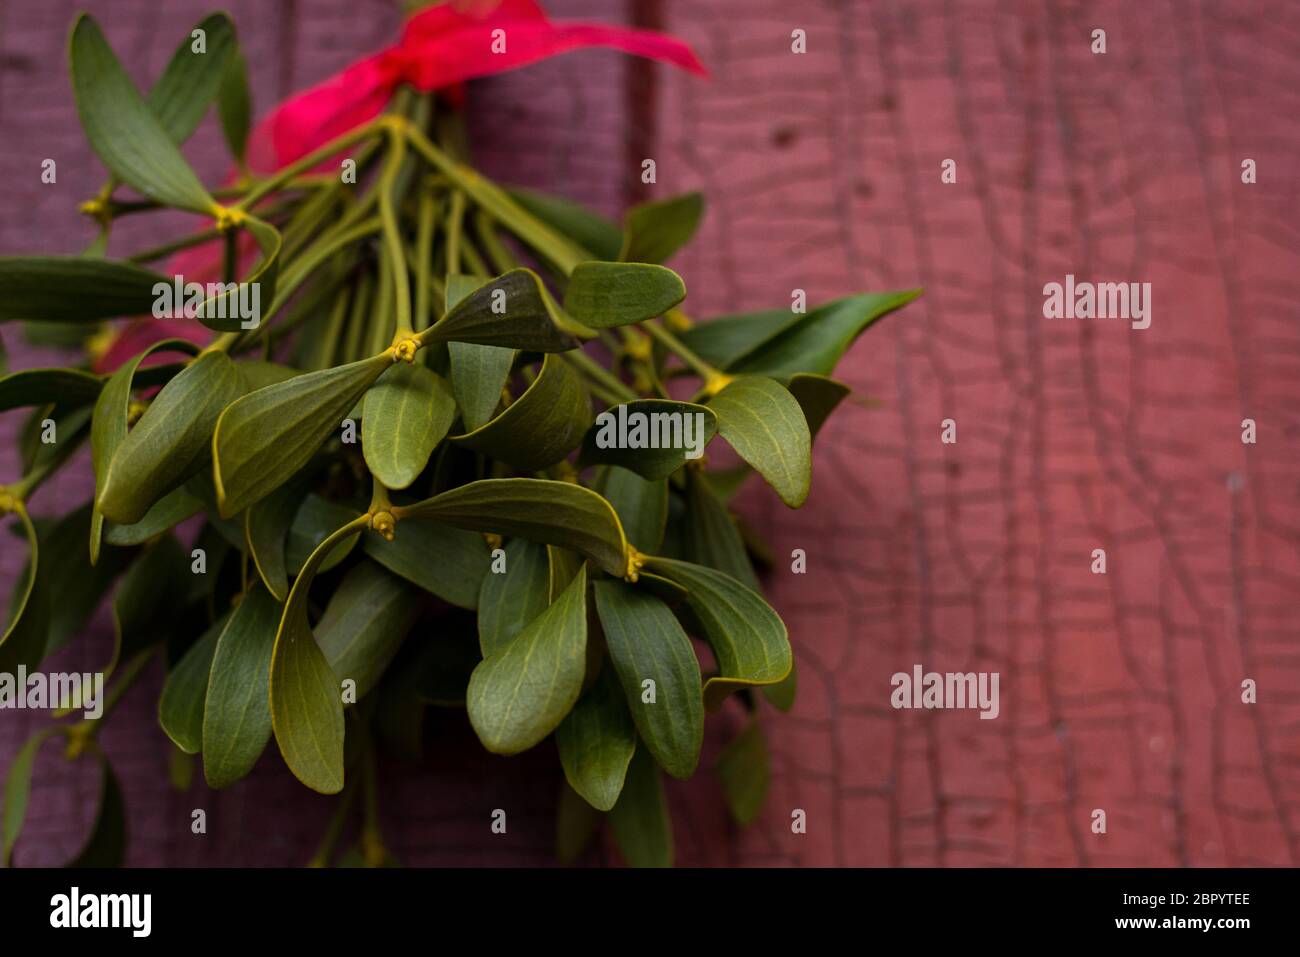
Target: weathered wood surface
1119	692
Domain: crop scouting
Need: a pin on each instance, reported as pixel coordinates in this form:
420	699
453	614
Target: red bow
441	47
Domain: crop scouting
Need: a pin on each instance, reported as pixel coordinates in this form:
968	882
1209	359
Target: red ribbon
440	48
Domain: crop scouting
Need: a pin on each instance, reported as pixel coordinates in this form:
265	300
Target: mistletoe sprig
391	478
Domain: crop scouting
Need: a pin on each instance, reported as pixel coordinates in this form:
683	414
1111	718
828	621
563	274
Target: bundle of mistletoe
422	442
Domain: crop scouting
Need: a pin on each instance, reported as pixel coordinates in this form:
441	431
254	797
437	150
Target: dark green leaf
748	638
521	694
315	521
576	823
364	624
542	426
180	709
189	84
647	644
171	441
763	422
540	510
406	413
266	530
815	342
743	767
652	232
235	105
168	512
68	387
782	694
711	535
478	373
818	396
512	598
106	846
603	295
448	562
513	311
265	437
588	229
640	822
123	130
74	288
235	306
18	789
81	586
723	340
596	742
237	709
18	644
642	506
652	437
306	697
148	597
109	426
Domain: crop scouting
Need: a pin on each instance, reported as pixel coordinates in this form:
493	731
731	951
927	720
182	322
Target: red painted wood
1119	692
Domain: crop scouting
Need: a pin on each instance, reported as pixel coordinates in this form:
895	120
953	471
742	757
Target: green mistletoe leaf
187	87
108	428
315	520
74	288
168	512
603	295
266	530
818	396
23	641
642	506
812	343
478	373
18	790
510	599
540	510
239	305
521	694
123	130
763	422
171	441
306	697
406	414
513	311
364	624
106	844
265	437
655	430
596	742
588	229
711	535
743	767
640	822
748	638
33	387
653	232
237	708
542	426
235	105
448	562
647	644
180	709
